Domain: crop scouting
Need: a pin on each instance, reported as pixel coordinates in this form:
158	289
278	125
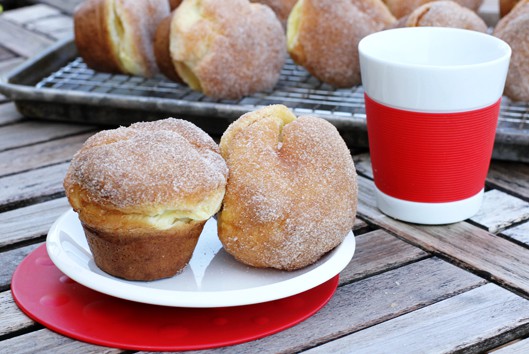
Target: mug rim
503	48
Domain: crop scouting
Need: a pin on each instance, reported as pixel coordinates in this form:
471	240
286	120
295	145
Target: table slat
477	320
32	132
12	319
35	185
40	155
466	244
366	303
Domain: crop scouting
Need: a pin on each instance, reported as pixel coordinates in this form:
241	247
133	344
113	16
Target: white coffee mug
432	103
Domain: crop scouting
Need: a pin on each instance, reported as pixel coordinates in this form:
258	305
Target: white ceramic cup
432	103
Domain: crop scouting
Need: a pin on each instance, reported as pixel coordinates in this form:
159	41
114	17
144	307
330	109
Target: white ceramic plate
212	278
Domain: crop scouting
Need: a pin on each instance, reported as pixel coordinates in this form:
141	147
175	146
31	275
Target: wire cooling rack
296	88
59	85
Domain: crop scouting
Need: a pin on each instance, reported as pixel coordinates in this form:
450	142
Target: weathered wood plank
519	233
10	261
22	41
363	165
55	27
466	244
9	64
501	210
35	184
518	347
40	155
5	54
477	320
46	341
12	319
9	113
66	6
359	224
378	251
27	14
510	176
14	225
366	303
31	132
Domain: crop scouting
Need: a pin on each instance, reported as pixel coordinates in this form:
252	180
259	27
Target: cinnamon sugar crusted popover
117	35
323	36
143	195
227	49
292	194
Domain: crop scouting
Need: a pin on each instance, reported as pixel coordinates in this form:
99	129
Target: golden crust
119	31
145	257
400	8
443	14
292	193
92	37
281	8
161	50
323	36
227	51
173	4
514	29
506	6
149	184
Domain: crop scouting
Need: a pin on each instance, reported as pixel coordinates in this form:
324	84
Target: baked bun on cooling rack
162	51
400	8
117	35
513	28
143	195
443	14
292	193
323	36
227	49
281	8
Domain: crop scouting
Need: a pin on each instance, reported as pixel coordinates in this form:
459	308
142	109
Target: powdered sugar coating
291	195
147	168
514	29
444	14
401	8
281	8
328	35
234	49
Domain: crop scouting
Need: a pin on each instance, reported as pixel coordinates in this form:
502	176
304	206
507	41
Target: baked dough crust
292	194
117	35
143	195
323	36
443	14
401	8
513	28
281	8
227	51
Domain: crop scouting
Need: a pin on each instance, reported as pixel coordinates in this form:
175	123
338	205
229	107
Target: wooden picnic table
462	287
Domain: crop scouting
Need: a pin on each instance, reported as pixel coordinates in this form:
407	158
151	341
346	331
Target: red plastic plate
49	297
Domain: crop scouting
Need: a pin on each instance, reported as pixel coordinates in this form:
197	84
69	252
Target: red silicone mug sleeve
430	157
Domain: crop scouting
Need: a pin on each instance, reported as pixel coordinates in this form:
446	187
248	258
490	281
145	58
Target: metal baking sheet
57	85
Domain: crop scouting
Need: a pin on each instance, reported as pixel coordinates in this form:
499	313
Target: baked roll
143	195
162	50
323	36
117	35
513	28
281	8
292	194
443	14
400	8
227	49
